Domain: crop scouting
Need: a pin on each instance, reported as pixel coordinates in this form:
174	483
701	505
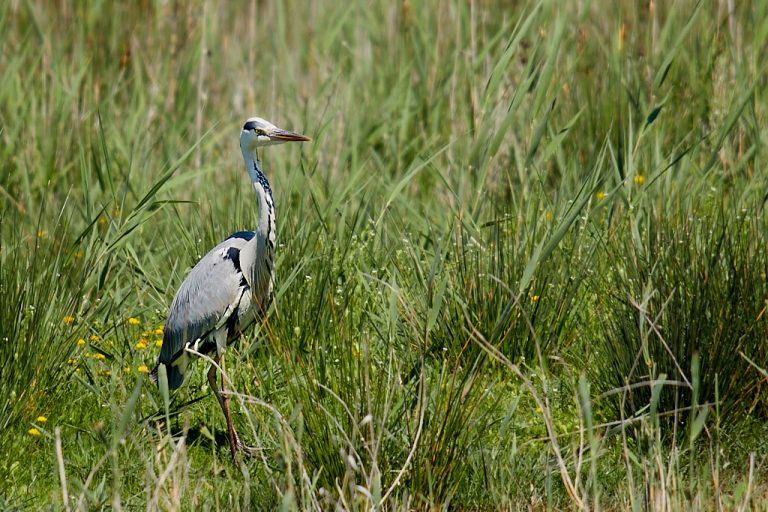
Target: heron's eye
259	131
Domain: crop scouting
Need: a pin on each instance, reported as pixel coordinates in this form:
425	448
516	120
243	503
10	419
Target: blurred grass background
522	264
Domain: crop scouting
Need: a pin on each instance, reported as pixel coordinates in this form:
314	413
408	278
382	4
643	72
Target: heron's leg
234	441
212	384
223	400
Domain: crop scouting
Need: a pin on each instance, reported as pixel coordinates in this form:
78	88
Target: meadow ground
522	264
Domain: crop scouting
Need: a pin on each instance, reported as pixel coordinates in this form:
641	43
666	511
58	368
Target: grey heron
230	286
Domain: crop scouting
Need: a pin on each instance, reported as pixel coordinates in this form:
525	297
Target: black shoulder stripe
244	235
233	254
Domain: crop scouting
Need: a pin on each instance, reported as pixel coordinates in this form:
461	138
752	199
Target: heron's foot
246	450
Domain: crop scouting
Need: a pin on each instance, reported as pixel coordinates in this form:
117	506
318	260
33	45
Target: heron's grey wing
206	298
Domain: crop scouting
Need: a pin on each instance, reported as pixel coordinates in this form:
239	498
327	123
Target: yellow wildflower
158	331
80	342
104	373
142	369
69	319
102	220
42	419
94	337
134	321
548	215
42	234
72	361
600	196
142	344
33	432
639	179
535	298
126	370
99	356
159	343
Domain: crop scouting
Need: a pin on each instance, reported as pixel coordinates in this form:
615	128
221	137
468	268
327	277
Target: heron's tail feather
175	375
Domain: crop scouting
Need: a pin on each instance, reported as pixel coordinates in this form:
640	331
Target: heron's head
257	133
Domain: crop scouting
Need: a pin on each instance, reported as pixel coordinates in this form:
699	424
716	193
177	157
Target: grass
522	264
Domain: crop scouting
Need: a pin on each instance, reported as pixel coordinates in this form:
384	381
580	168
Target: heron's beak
286	136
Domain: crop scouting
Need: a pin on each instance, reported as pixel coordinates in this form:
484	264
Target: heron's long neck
265	200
